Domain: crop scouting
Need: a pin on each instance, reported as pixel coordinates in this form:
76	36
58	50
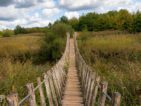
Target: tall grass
14	75
116	58
19	47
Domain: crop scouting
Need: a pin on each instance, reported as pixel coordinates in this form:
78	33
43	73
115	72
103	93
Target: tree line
121	20
113	20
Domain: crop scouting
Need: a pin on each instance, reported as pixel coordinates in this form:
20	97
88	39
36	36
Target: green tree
136	26
19	30
74	23
54	43
64	19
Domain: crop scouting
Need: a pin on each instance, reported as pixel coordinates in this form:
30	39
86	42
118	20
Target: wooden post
102	98
32	99
42	97
57	83
52	89
88	90
116	99
86	84
56	86
48	90
90	97
95	90
13	99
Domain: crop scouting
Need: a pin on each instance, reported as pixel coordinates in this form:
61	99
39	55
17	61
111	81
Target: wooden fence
92	86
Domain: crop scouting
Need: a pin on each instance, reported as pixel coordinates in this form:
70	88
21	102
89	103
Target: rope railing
54	81
94	90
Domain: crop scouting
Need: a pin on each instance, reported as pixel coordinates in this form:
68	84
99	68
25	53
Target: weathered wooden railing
53	81
91	85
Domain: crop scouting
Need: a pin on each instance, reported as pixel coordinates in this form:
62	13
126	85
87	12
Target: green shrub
19	30
54	43
15	75
7	33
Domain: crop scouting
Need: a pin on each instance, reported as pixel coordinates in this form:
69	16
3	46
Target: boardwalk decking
72	94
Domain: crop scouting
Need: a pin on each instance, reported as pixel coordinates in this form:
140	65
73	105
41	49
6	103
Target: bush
15	75
7	33
54	43
60	29
19	30
1	33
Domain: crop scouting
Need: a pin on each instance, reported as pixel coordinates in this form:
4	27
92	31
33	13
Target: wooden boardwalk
72	94
58	81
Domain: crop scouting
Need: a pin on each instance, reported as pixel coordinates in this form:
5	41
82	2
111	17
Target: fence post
32	99
116	99
42	97
91	89
96	86
52	89
102	98
48	90
12	99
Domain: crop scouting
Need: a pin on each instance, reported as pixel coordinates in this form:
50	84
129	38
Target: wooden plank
32	98
52	89
89	101
48	90
42	97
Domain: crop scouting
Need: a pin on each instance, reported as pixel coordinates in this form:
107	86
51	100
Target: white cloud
79	4
50	12
30	13
70	15
8	13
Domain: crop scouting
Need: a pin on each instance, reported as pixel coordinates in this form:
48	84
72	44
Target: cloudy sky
32	13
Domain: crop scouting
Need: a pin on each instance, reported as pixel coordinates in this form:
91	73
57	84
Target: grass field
19	45
116	57
14	75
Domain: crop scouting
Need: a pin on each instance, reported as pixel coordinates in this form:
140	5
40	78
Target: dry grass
14	75
12	46
116	58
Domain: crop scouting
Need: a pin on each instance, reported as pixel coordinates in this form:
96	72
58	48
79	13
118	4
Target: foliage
54	43
112	20
7	33
137	22
19	30
15	75
116	58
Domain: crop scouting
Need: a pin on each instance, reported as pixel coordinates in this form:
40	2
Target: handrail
90	82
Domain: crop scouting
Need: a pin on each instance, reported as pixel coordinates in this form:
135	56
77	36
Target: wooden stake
116	99
42	97
12	99
102	98
32	99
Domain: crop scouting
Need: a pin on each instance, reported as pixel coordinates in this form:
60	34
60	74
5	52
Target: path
72	94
